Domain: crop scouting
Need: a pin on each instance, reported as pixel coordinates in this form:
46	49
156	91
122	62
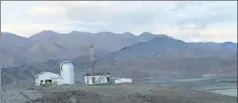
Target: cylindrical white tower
67	72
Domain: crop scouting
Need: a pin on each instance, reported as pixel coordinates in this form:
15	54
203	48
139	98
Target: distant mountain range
17	50
147	56
167	47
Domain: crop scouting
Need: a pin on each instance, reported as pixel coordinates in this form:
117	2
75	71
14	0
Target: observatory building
66	76
67	72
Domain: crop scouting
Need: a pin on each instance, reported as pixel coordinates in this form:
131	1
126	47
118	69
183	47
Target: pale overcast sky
186	20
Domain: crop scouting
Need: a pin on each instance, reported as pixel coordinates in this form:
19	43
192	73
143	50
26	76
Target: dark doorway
48	81
41	82
108	79
93	79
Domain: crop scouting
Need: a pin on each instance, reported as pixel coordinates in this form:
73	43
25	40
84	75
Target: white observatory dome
67	72
67	65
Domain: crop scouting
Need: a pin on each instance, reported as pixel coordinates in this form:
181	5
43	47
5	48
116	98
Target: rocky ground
121	93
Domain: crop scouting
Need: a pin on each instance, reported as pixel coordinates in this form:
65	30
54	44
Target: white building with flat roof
97	78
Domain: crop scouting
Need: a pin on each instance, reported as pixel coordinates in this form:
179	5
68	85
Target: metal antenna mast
92	58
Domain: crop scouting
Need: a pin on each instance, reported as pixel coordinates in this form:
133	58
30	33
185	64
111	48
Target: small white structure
44	77
121	80
67	72
98	78
66	75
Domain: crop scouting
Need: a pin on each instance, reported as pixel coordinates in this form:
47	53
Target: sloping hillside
167	47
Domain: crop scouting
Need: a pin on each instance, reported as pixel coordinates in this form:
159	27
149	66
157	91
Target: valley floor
121	93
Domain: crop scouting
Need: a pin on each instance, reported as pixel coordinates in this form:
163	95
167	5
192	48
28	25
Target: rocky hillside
166	57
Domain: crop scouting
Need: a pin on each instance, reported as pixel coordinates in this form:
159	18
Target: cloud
186	20
209	13
47	14
46	10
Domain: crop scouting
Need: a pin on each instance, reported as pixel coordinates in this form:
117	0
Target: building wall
116	81
58	81
122	80
126	80
99	79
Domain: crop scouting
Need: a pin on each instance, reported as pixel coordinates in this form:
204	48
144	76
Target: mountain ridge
52	45
146	56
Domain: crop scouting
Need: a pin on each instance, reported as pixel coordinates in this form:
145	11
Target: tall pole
92	58
1	77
